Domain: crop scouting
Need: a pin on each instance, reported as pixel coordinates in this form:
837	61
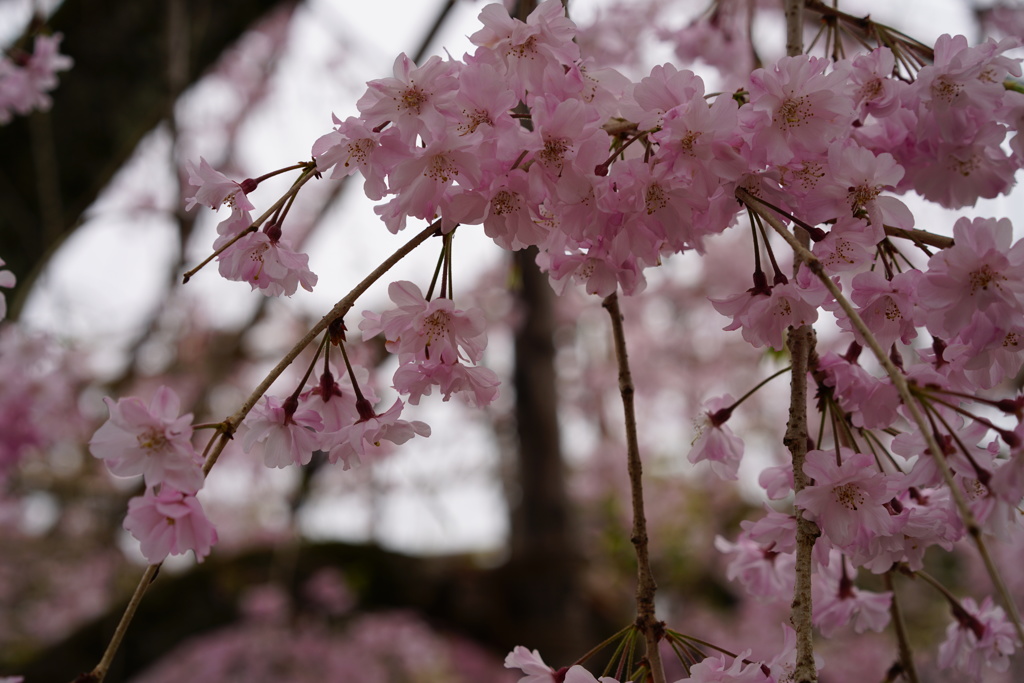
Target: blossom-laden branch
227	428
899	381
648	623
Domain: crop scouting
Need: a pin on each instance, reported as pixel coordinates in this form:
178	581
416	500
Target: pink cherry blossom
877	93
847	498
765	573
524	52
715	669
154	441
415	379
887	306
213	188
267	264
763	318
803	108
981	638
838	602
354	146
531	664
783	664
413	99
423	177
577	674
424	329
24	86
284	434
849	245
871	401
985	352
982	271
169	523
716	442
355	442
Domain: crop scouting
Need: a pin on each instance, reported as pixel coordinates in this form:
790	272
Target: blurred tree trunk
54	164
545	590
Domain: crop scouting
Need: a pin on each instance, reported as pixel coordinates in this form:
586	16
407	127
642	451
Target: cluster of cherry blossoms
607	177
715	669
155	441
263	258
25	79
337	419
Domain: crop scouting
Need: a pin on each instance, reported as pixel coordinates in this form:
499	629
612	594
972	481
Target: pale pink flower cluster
980	638
432	339
609	178
327	417
26	79
39	391
531	664
155	441
262	258
716	442
439	140
612	176
714	669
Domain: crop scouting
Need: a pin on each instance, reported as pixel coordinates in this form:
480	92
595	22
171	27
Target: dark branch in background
115	94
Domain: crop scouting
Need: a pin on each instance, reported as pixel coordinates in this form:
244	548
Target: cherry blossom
610	178
525	51
981	638
765	573
983	271
716	442
169	523
848	496
284	434
716	670
214	189
838	602
414	98
267	263
154	441
427	329
802	108
531	664
355	442
764	317
24	85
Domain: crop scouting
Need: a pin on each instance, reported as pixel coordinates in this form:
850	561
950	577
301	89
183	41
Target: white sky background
337	46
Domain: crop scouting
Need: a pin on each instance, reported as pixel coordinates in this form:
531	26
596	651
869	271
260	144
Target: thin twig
646	586
100	672
906	656
920	237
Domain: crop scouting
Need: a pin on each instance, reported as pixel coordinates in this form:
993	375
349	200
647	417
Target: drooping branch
230	425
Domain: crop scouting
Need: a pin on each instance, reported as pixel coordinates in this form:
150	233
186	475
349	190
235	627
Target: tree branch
646	586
